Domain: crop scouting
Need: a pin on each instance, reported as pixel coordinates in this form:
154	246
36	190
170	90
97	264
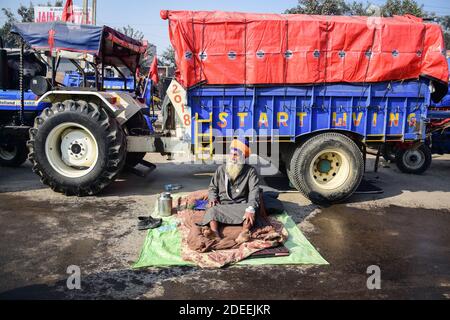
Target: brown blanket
213	253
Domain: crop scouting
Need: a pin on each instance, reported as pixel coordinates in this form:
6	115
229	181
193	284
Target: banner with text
51	14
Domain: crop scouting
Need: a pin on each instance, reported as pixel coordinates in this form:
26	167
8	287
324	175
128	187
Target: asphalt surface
403	231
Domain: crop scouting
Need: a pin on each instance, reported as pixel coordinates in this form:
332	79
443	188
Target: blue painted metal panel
76	80
438	114
377	109
10	101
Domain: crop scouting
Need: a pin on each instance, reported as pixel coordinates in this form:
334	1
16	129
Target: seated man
233	193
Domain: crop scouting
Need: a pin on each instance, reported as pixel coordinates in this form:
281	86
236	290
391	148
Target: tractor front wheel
13	155
76	148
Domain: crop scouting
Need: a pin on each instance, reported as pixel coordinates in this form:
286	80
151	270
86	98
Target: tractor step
142	173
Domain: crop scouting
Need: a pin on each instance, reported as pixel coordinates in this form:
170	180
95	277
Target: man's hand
213	203
249	217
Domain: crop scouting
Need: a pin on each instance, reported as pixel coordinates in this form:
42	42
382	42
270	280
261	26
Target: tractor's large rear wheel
326	168
76	148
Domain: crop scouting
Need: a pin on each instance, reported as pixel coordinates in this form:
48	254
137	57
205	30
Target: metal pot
165	204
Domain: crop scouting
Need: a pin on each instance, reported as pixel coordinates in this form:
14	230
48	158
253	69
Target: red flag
51	39
67	14
153	74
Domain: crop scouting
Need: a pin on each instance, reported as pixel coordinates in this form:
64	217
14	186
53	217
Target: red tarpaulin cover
244	48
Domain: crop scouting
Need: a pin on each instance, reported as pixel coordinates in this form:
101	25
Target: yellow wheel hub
330	169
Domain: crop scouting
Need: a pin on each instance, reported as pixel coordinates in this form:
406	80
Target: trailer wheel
414	160
327	168
76	148
13	155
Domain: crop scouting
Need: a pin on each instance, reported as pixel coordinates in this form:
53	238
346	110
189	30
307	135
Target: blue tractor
18	105
23	80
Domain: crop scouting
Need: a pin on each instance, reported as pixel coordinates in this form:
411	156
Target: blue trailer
379	112
320	131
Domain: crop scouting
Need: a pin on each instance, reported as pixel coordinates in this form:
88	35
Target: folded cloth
201	204
214	252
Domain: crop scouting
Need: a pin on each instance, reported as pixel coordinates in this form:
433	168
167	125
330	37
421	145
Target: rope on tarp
245	64
388	89
202	52
369	54
326	65
421	61
194	54
285	62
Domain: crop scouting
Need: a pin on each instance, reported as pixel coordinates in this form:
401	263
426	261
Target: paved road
404	231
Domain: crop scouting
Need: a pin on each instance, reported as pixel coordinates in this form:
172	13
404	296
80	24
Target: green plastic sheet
162	247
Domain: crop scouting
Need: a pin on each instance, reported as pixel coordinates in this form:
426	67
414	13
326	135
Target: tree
447	40
132	33
390	8
168	57
325	7
445	24
145	63
401	7
341	7
26	13
359	9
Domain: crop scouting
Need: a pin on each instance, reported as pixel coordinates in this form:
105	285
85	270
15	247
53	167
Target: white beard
233	170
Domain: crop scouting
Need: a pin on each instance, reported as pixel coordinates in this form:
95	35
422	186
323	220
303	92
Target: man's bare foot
244	236
210	234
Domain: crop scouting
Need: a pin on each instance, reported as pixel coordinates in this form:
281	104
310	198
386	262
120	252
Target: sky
143	15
